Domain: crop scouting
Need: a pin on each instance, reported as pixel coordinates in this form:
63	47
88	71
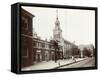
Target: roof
28	13
66	41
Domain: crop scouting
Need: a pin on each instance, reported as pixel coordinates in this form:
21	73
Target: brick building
26	38
45	51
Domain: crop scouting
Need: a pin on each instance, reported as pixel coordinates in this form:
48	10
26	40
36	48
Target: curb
67	64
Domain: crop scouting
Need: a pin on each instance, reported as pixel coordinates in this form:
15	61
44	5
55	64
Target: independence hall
34	49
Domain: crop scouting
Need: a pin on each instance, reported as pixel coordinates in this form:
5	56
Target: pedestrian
73	59
59	63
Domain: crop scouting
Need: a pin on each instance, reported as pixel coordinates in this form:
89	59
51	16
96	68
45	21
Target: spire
57	14
57	32
57	23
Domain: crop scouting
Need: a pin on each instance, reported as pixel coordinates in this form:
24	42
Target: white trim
26	35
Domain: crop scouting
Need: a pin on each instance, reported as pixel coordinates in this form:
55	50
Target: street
67	63
89	62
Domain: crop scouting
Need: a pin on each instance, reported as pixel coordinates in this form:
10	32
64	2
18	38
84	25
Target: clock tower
57	32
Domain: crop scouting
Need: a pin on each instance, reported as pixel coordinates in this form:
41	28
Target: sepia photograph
57	38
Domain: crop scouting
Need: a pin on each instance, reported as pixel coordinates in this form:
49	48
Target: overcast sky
77	25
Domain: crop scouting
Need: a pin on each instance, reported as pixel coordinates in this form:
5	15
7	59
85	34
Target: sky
77	25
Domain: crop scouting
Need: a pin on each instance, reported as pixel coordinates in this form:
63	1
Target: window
37	44
34	43
25	53
43	45
24	23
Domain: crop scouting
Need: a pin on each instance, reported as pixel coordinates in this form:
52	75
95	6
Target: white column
81	53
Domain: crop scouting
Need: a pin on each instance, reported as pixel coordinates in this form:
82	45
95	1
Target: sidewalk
51	64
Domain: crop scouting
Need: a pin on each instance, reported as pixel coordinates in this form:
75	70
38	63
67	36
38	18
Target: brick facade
26	38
